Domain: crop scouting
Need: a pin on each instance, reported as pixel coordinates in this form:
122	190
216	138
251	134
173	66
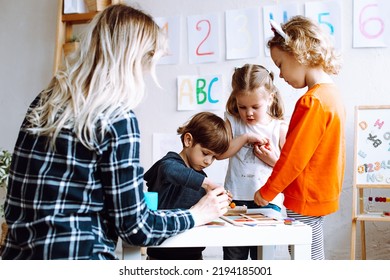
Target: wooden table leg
353	239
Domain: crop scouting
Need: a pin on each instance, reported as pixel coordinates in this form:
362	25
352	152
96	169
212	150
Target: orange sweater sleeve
306	128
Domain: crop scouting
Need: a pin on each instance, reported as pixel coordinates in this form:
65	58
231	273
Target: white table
299	236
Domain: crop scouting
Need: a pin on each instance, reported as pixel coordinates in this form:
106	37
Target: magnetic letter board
372	145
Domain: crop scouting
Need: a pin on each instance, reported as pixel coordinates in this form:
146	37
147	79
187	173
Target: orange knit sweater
310	169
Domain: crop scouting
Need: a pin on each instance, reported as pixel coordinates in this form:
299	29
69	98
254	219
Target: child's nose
208	160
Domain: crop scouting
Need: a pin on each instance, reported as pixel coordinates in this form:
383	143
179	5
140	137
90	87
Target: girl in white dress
254	112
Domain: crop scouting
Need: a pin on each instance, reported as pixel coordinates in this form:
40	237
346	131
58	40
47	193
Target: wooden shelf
78	18
372	186
372	217
65	24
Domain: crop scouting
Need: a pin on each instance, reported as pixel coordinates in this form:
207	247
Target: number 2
205	38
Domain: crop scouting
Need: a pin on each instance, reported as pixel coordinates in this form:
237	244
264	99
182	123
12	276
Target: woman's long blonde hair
104	79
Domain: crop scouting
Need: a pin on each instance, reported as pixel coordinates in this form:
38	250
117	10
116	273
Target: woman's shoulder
121	130
125	121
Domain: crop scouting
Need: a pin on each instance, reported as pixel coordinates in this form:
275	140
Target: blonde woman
76	184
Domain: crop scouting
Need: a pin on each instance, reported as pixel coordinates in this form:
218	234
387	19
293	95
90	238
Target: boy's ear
187	140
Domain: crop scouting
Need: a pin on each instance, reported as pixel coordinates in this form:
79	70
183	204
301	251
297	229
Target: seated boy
180	180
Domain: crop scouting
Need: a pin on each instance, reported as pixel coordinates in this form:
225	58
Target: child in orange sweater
310	169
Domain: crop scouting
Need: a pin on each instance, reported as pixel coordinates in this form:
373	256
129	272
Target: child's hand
259	200
265	153
253	138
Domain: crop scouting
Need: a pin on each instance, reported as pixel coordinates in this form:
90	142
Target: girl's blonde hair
103	80
252	77
309	44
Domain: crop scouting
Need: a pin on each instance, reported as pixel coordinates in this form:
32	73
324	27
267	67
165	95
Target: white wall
27	29
26	67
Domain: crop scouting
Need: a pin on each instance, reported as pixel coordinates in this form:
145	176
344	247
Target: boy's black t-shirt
178	186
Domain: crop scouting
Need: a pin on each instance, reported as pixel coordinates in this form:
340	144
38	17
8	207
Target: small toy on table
236	210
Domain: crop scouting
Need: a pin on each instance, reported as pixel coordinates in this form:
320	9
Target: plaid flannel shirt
74	203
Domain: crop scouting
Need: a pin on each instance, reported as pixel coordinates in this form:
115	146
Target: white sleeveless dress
246	173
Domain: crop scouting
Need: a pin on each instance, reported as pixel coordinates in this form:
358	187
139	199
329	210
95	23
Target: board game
236	210
251	219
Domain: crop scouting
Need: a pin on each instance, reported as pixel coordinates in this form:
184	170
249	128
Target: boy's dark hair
208	130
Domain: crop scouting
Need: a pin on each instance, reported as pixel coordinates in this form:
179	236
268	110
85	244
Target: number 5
321	21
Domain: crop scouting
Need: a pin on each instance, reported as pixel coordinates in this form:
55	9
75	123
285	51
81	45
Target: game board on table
239	216
251	219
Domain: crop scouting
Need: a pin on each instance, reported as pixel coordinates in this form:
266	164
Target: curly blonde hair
309	44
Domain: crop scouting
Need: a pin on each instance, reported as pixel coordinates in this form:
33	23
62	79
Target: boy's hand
256	139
